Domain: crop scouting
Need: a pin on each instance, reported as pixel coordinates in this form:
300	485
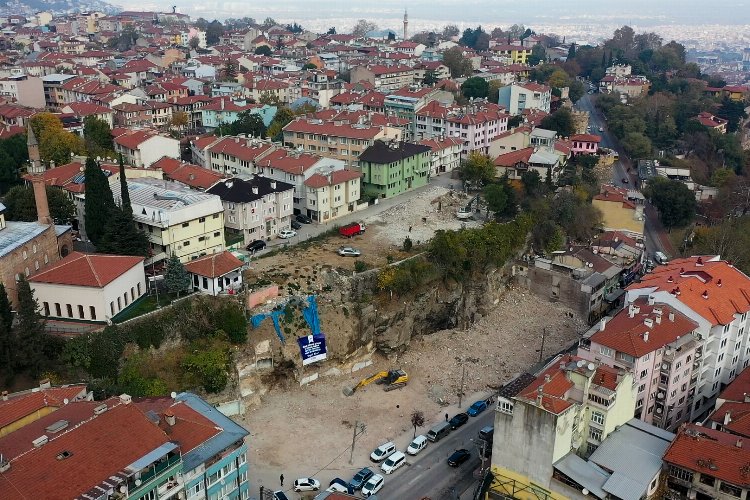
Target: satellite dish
65	401
591	366
580	363
173	395
137	482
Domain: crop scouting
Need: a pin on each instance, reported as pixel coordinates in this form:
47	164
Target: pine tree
122	237
99	201
7	339
124	193
29	331
177	278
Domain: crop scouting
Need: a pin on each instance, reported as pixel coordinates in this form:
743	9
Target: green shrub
360	266
408	244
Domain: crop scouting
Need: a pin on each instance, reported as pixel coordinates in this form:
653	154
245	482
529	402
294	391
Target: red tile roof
625	334
446	142
87	108
134	138
241	148
214	265
553	391
738	420
335	177
65	176
708	120
514	157
615	195
738	388
98	449
586	138
22	404
191	429
308	126
712	288
186	173
90	270
710	452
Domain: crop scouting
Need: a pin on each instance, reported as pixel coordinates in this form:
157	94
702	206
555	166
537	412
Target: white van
393	462
439	431
382	452
419	444
660	258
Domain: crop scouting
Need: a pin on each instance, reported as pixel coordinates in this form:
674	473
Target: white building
518	97
141	148
89	287
216	273
445	155
332	195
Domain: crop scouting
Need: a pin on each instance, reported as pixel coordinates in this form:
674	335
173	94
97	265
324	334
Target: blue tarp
309	312
258	319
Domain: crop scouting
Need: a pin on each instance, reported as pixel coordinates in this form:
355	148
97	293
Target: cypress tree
29	330
122	237
176	276
124	193
99	201
7	343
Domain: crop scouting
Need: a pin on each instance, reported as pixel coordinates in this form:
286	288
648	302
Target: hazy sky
387	13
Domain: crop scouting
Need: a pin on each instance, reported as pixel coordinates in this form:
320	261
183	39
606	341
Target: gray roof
231	432
16	234
587	474
634	453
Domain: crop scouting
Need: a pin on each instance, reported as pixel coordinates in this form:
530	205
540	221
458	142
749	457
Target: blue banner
312	348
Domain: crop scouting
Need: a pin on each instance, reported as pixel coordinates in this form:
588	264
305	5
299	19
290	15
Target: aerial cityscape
399	251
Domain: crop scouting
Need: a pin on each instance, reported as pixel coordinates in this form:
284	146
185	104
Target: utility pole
541	350
359	428
463	379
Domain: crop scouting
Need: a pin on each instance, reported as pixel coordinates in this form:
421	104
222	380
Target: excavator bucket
348	391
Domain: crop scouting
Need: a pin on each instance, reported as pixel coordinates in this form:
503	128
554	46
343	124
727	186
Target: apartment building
657	345
231	155
142	148
619	212
337	139
716	296
23	89
392	168
518	97
508	53
257	208
477	124
226	110
404	103
177	220
52	85
383	78
568	409
445	154
333	194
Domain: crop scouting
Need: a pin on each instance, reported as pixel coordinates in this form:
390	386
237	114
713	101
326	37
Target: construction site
386	357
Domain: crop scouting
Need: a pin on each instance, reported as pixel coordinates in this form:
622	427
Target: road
428	474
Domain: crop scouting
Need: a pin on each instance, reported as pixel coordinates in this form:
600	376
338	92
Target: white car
349	252
383	451
373	485
287	233
393	463
419	444
306	484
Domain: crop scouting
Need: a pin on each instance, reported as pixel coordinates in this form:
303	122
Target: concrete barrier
361	365
308	379
231	408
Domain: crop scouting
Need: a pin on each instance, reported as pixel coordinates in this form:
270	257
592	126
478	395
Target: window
644	373
641	388
112	308
707	480
80	312
595	434
681	473
92	312
202	219
505	407
217	234
730	489
70	310
132	293
46	309
138	287
119	304
723	343
186	243
597	417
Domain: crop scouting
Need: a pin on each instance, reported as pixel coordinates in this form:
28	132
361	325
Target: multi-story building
141	148
178	221
52	85
405	102
445	153
225	110
231	155
716	296
333	194
257	208
572	406
656	344
705	464
383	78
585	144
619	213
392	168
23	89
336	139
509	54
518	97
476	124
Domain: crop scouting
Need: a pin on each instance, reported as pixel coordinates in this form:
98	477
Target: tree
309	66
494	92
331	30
176	277
214	31
295	28
263	50
558	79
29	330
283	117
7	336
98	136
363	27
475	87
55	143
450	31
637	145
455	61
538	54
430	78
734	111
125	206
675	202
248	123
122	237
21	206
515	121
269	22
532	183
547	237
179	120
99	202
496	198
194	42
230	70
576	90
561	121
267	97
571	51
417	420
13	155
478	169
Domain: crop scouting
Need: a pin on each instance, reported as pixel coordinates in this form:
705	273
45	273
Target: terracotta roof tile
739	387
514	157
214	265
22	404
738	419
90	270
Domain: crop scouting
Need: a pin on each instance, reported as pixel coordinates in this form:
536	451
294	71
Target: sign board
312	348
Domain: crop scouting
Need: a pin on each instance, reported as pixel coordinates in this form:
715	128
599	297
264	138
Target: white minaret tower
406	25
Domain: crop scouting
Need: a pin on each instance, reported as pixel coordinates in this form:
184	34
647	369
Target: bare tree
363	27
417	420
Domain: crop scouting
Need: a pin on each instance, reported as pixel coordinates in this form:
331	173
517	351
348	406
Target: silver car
349	252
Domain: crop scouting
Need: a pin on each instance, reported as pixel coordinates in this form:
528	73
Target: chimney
718	283
602	324
645	336
705	294
125	399
658	319
745	397
699	262
273	184
170	418
255	189
670	280
739	443
727	418
45	383
5	395
539	395
547	378
671	317
651	300
648	322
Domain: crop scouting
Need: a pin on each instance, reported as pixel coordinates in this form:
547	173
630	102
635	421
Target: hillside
29	7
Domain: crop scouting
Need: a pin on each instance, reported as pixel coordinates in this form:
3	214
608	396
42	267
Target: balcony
170	488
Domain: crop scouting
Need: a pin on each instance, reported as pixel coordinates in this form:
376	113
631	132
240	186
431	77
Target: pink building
657	344
585	144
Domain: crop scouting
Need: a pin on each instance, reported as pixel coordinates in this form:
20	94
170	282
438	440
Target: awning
613	296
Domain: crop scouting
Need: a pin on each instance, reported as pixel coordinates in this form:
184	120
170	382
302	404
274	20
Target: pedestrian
446	417
281	480
410	229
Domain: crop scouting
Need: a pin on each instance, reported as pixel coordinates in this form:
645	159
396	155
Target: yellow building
177	220
511	53
619	213
570	407
21	408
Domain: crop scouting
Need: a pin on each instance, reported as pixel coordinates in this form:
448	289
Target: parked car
295	224
280	495
458	420
458	457
349	252
373	485
477	408
304	219
383	451
625	180
256	246
393	463
419	444
601	129
360	478
306	484
340	486
287	233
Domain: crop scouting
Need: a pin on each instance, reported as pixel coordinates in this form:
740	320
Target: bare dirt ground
305	431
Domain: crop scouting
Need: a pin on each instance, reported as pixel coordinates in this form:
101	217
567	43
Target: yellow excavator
391	379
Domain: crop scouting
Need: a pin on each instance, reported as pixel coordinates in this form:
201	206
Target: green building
392	168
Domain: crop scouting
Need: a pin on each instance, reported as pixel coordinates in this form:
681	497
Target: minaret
36	171
406	24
